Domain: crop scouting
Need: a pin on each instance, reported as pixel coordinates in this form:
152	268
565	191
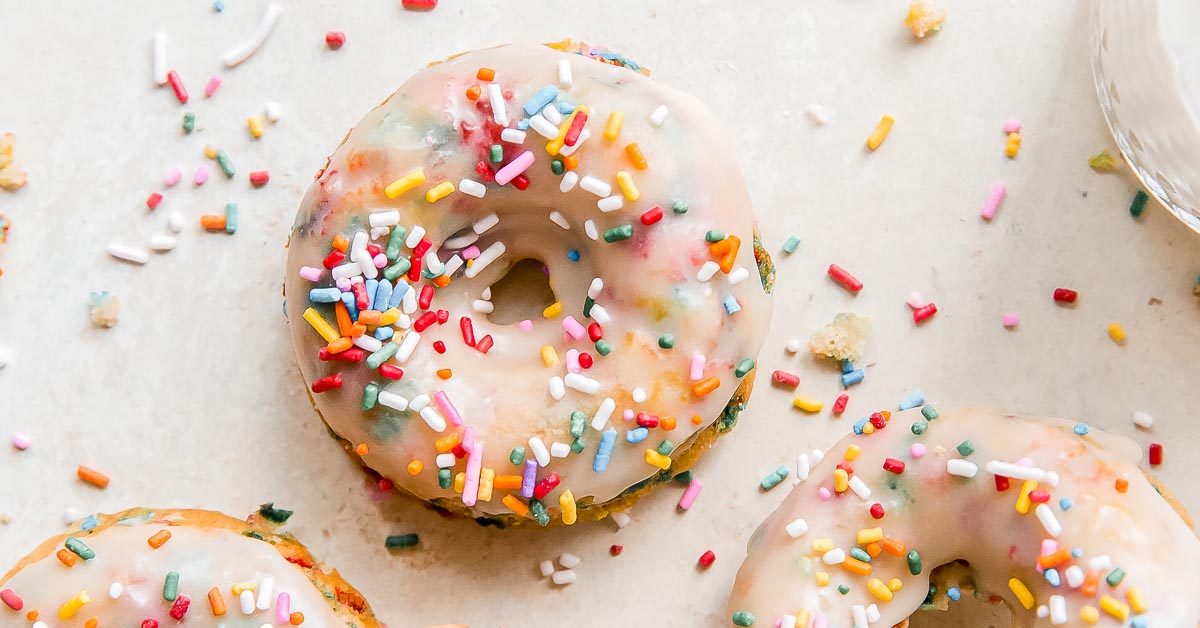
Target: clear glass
1147	72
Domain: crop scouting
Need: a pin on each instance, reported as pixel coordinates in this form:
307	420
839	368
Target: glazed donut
624	190
1048	516
153	568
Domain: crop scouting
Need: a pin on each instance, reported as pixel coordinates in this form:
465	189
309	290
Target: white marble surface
193	399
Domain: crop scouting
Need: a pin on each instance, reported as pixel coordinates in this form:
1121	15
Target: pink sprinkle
310	273
471	252
283	608
1011	319
201	175
820	622
573	361
21	441
380	260
514	168
696	372
1049	546
690	494
825	494
173	176
213	84
574	328
448	409
917	451
1012	125
915	300
628	414
474	466
525	325
343	284
1025	462
993	201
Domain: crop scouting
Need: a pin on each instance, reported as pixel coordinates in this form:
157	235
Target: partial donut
655	289
153	568
1050	517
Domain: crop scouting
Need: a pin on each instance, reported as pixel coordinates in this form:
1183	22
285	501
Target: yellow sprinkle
852	453
879	590
1013	145
515	505
822	545
1104	162
1022	592
549	355
613	127
238	587
628	189
73	605
487	479
210	151
415	467
446	443
389	316
636	156
658	460
822	578
439	191
1089	614
1116	332
841	480
405	183
1114	607
1023	502
460	480
566	502
254	123
1136	600
881	132
894	585
802	618
868	429
807	404
870	535
322	326
556	144
554	310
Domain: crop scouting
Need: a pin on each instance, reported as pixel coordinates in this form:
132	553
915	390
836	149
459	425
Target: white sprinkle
470	187
265	590
600	315
482	225
445	461
379	232
582	383
589	229
1058	610
816	456
1043	611
408	344
1049	521
569	561
346	271
486	295
595	186
483	307
610	203
274	111
370	344
568	182
41	624
859	613
915	300
131	254
544	127
595	288
408	302
559	450
1052	479
175	221
738	275
797	528
1143	420
639	395
834	556
461	242
789	621
872	613
564	73
792	345
658	116
1074	576
72	514
547	568
115	590
160	58
489	255
540	453
803	467
247	601
1099	563
860	487
551	113
384	219
434	420
453	264
566	151
244	51
496	96
707	270
817	115
558	389
162	242
404	322
563	577
419	402
961	468
433	264
620	518
392	400
1014	471
513	136
560	220
600	419
414	237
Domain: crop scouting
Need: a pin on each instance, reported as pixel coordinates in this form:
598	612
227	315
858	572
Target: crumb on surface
105	308
924	18
1103	162
12	178
844	339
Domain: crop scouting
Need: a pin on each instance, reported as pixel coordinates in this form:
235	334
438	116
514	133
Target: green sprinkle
860	554
517	455
714	236
666	341
843	589
665	448
919	427
370	395
791	244
602	347
395	241
231	217
496	154
966	448
588	302
384	354
1138	206
679	207
743	618
556	166
444	479
774	478
745	365
189	121
273	514
578	419
225	163
929	412
616	234
171	586
1115	577
578	445
80	549
538	511
914	562
401	541
685	477
393	272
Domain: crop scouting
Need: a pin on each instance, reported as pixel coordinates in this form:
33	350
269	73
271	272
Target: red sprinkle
894	466
707	558
149	623
647	420
924	313
785	378
839	406
520	182
439	346
544	487
616	550
877	421
846	466
575	129
335	39
374	250
426	319
14	601
443	316
1039	496
459	451
391	371
485	344
585	360
361	299
259	178
468	331
1156	454
177	85
180	607
385	484
153	201
353	354
327	383
652	215
422	247
426	297
877	510
419	5
334	258
843	277
595	332
1001	483
485	171
414	273
1065	295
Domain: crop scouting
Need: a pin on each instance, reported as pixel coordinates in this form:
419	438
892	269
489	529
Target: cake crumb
105	308
924	18
844	339
12	178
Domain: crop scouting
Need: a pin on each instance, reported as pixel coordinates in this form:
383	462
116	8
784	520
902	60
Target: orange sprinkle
571	162
341	243
1054	559
696	420
1091	584
485	74
474	92
296	618
356	161
893	547
507	482
442	281
856	566
446	443
370	317
515	505
887	415
706	385
362	449
719	248
445	373
92	476
160	537
667	423
91	623
415	467
339	345
1122	485
874	550
634	152
343	318
216	601
357	329
212	221
730	256
31	615
66	557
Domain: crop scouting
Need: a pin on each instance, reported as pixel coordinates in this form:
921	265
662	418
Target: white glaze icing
944	518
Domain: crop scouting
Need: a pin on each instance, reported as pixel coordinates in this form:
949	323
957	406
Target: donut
1050	518
153	568
558	405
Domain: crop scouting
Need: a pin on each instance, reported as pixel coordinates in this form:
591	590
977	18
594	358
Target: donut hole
522	293
972	608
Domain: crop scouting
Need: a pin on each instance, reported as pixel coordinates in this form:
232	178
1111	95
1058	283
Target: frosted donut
1053	519
624	190
155	568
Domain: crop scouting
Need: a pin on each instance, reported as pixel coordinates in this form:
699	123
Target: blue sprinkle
731	305
637	435
348	299
848	366
523	125
384	333
1139	621
914	399
859	424
604	451
89	523
398	294
372	285
1065	504
383	294
954	594
1052	577
564	107
543	97
573	255
1081	429
1076	553
853	377
218	5
324	295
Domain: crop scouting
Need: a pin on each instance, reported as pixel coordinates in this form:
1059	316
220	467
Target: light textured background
194	400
